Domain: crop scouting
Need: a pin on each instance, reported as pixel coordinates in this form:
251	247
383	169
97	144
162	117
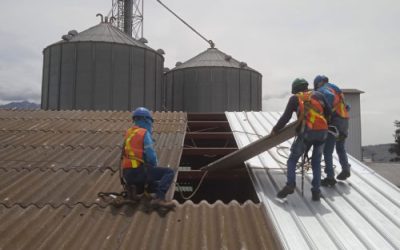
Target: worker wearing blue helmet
139	160
340	123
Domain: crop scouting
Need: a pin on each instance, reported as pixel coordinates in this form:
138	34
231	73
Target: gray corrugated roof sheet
190	226
360	213
105	32
80	139
212	57
55	187
52	165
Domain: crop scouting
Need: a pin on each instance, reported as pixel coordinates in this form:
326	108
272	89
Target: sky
356	43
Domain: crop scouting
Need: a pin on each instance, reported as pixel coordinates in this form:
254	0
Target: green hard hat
299	84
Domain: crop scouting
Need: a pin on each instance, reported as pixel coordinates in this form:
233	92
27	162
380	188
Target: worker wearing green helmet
313	111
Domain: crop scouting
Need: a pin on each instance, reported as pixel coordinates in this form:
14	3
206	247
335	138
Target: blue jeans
158	179
299	146
342	125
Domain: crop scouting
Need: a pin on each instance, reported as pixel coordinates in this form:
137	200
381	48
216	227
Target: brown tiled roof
190	226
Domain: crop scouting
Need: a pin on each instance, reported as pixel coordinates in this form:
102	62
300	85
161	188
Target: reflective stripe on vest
133	150
339	107
311	111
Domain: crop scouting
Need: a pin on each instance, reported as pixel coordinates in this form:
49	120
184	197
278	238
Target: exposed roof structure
53	164
105	32
361	213
212	57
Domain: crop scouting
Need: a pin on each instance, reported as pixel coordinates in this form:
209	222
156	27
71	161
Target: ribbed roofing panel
212	57
80	139
45	207
56	188
362	212
189	226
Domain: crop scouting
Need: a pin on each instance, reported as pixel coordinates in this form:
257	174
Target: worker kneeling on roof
139	160
313	111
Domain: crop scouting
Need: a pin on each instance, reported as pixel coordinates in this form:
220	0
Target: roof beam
209	135
208	151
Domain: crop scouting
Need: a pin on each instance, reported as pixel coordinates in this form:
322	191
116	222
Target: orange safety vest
311	111
339	106
133	147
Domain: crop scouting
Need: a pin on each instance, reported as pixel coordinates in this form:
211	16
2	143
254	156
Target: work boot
328	182
132	193
316	195
285	191
343	175
162	203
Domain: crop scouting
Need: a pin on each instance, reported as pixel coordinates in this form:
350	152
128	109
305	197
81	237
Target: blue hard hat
318	79
142	112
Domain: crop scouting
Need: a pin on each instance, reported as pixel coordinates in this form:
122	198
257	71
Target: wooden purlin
236	159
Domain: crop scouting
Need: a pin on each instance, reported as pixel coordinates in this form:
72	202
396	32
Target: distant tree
396	146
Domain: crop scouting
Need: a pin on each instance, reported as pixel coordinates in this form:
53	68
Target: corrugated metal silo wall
212	89
353	142
101	76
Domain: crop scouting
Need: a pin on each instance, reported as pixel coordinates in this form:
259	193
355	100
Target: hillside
20	105
378	153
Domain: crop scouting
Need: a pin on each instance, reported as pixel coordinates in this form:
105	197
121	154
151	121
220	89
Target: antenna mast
128	16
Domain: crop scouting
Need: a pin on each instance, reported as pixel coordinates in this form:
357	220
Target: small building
353	142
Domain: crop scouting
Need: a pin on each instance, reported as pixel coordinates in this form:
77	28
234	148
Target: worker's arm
291	107
149	154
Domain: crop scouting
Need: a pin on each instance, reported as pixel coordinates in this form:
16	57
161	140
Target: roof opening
207	139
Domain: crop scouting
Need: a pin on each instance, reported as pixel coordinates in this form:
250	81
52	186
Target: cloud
356	43
280	95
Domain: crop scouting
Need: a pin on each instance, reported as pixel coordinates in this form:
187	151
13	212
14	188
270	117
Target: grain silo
212	82
101	68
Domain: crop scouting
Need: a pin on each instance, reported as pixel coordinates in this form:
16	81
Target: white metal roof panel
361	213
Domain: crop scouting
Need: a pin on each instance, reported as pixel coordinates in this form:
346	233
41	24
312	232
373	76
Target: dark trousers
343	126
158	179
315	139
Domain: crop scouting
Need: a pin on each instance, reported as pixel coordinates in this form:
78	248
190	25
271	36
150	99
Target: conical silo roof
104	32
213	57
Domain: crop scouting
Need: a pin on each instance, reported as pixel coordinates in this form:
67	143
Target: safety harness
339	106
310	112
